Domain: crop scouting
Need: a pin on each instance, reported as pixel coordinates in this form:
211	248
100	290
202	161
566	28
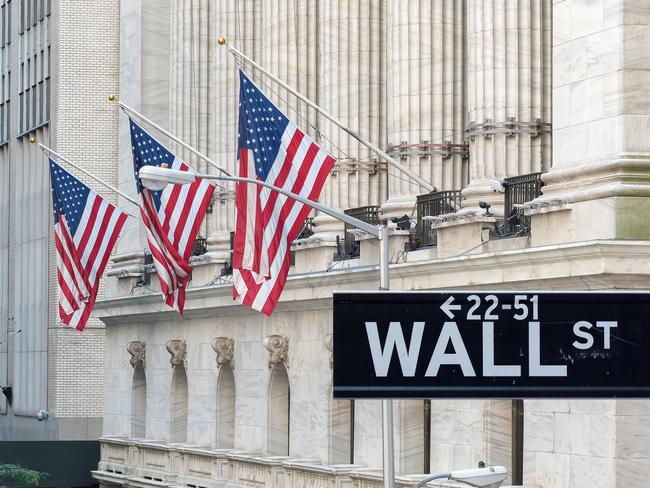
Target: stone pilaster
508	91
600	180
424	98
144	85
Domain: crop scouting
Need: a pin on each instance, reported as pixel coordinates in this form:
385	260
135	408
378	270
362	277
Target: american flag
172	217
271	149
85	230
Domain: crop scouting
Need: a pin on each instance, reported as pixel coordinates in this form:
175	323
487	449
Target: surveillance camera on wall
42	415
497	186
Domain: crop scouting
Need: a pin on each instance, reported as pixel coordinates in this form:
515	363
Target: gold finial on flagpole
221	41
112	98
32	139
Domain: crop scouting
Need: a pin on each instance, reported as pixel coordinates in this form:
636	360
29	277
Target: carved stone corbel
278	347
138	352
177	348
329	345
225	349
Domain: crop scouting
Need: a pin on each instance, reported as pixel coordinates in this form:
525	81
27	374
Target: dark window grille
200	246
519	190
306	232
148	268
227	267
432	205
369	214
307	229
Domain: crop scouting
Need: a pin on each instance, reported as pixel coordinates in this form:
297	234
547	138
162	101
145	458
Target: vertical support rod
388	434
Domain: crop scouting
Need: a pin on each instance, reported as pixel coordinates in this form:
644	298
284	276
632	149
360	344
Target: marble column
353	89
240	23
508	93
424	98
192	84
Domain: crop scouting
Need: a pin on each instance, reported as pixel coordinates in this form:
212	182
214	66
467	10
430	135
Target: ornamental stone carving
225	349
138	352
178	350
278	347
329	345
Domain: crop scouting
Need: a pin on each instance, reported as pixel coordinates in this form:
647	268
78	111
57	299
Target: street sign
491	345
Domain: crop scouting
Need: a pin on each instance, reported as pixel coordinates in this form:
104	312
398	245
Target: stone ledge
599	264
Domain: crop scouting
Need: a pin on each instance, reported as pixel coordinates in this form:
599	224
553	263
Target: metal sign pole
388	433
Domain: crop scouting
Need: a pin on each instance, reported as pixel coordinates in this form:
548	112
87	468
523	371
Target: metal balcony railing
519	190
368	214
431	205
307	229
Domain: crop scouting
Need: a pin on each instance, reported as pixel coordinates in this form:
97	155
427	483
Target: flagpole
393	162
47	150
132	111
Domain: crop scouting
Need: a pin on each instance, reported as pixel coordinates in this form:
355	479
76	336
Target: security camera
497	186
42	415
486	206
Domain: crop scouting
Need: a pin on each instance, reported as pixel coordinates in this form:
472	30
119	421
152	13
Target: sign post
492	345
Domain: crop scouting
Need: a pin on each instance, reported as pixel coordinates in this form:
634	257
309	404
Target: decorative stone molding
278	347
329	345
225	349
138	352
178	350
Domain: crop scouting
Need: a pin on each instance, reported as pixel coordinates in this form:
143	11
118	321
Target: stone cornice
597	264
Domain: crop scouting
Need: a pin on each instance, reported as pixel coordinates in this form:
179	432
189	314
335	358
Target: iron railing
431	205
519	190
369	214
307	229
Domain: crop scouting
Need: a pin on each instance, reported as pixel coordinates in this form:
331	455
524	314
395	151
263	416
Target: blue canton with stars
261	126
69	196
147	152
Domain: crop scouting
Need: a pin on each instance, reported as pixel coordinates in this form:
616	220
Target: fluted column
508	93
353	89
240	23
425	98
191	81
289	50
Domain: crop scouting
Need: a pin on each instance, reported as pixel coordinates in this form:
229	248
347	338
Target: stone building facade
461	91
59	60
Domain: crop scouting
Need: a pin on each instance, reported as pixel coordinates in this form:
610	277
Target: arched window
341	448
179	405
139	403
226	408
279	412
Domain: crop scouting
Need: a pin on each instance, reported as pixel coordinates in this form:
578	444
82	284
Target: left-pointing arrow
447	307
